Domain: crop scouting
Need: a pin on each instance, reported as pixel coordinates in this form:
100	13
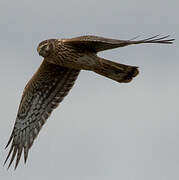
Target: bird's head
45	48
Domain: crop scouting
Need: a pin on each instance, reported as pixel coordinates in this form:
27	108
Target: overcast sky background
103	130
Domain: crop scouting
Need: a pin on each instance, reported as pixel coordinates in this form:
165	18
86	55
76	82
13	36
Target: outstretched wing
96	44
47	88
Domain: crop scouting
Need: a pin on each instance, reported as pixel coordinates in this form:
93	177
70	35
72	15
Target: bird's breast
72	58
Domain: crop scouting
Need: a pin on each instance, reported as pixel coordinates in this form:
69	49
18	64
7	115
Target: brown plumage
63	60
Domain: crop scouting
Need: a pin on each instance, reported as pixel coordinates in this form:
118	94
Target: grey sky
102	130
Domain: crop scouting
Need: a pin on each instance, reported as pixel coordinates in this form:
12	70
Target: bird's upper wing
96	43
47	88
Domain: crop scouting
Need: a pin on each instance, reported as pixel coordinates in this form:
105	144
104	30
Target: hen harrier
63	60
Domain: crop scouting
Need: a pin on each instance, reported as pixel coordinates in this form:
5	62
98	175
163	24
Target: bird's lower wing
47	88
96	43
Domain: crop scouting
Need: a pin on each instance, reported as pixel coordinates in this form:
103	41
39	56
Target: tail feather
115	71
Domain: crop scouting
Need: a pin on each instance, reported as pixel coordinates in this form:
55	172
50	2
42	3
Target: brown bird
63	60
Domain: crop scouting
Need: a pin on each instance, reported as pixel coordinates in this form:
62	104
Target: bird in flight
62	63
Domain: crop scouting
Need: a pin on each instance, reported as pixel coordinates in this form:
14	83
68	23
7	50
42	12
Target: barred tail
115	71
